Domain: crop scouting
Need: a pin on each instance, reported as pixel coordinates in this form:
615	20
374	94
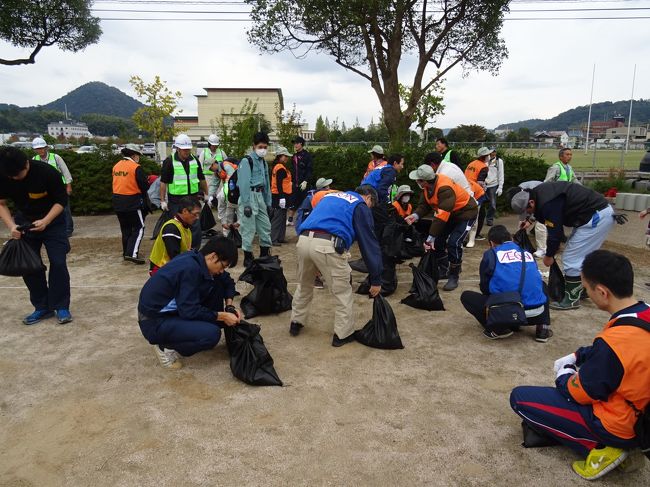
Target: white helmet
38	143
213	139
183	142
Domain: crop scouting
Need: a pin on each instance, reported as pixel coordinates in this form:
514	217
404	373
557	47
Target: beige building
226	103
621	133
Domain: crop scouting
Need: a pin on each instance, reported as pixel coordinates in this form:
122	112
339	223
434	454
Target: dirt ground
87	403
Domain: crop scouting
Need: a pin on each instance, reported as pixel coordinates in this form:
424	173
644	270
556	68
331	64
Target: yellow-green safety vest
208	156
180	181
159	255
447	156
51	160
564	174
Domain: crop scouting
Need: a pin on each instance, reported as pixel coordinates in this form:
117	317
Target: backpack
642	425
233	188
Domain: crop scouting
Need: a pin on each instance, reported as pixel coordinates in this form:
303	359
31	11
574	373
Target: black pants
278	224
474	303
132	227
481	217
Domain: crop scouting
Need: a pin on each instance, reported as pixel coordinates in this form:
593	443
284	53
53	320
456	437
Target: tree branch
30	60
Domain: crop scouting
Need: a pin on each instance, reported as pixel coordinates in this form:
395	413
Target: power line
203	19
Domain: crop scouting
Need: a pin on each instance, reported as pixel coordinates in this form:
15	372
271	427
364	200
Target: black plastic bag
555	283
388	280
392	239
270	294
235	236
18	259
425	294
165	216
250	360
381	330
413	244
428	265
522	239
207	218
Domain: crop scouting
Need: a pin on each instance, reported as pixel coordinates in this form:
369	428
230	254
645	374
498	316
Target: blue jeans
69	222
450	242
570	423
187	337
491	193
54	292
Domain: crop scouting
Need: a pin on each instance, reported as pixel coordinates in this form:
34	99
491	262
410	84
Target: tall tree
287	124
321	132
370	37
427	109
35	24
467	133
160	104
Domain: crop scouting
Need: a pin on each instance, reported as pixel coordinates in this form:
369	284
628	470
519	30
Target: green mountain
575	117
95	97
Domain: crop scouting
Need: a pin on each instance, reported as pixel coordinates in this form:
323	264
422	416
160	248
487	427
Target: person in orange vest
599	389
454	212
130	185
476	172
378	160
281	192
402	201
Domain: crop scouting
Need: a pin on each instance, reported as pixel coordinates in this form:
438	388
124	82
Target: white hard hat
213	139
183	142
38	143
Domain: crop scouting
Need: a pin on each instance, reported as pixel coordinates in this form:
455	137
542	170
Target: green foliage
106	125
13	119
288	125
615	179
96	98
237	136
467	133
321	132
35	24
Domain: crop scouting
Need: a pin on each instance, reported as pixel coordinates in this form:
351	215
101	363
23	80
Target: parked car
22	145
149	149
87	149
62	146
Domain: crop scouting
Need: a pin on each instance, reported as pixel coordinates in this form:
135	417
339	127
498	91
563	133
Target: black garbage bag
413	244
555	283
235	236
207	218
164	217
18	259
425	295
392	239
388	279
381	330
270	294
358	265
522	239
428	265
250	360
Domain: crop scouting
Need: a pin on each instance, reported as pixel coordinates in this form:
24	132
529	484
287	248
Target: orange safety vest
319	196
477	189
401	211
372	165
474	169
286	182
223	175
631	345
124	182
462	197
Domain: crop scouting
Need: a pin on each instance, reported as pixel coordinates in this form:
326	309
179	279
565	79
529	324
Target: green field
605	159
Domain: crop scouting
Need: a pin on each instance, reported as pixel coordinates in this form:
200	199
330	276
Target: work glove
620	218
499	192
412	218
567	369
206	198
163	206
303	185
210	201
566	360
248	212
283	203
428	243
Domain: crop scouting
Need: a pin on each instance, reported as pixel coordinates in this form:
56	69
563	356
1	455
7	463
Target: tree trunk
397	125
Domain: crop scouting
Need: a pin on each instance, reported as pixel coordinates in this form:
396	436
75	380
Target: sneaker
37	315
489	223
294	328
543	334
318	283
599	462
479	237
493	335
539	254
135	260
63	316
451	284
169	359
339	342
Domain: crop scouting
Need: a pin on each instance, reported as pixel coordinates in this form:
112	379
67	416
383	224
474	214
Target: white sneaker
169	359
539	254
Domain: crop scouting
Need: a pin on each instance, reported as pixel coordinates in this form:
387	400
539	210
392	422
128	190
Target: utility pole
591	98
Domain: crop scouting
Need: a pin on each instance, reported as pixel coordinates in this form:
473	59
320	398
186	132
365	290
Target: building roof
252	90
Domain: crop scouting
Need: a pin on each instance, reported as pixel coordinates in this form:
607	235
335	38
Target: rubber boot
248	258
452	280
572	290
265	251
443	267
472	236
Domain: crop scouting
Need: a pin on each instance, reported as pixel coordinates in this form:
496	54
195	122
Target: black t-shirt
37	193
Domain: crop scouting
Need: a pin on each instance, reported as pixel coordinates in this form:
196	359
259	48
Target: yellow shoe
169	359
599	462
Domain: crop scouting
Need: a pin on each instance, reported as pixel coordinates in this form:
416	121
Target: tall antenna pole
591	98
629	119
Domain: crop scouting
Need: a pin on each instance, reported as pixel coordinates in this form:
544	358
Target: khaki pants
540	236
318	255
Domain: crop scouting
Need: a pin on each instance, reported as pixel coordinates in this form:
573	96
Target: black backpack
233	187
642	425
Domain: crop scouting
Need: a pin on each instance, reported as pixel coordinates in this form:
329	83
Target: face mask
421	185
261	152
406	199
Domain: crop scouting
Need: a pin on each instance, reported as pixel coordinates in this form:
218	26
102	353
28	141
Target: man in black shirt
39	197
442	146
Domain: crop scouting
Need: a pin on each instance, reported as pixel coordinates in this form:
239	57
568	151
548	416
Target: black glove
620	218
248	212
231	309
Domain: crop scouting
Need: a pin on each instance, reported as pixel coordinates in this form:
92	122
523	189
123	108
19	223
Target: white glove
303	185
412	218
499	192
567	369
566	360
283	203
428	244
206	198
210	200
163	206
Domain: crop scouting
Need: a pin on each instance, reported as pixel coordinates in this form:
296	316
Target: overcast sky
548	69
